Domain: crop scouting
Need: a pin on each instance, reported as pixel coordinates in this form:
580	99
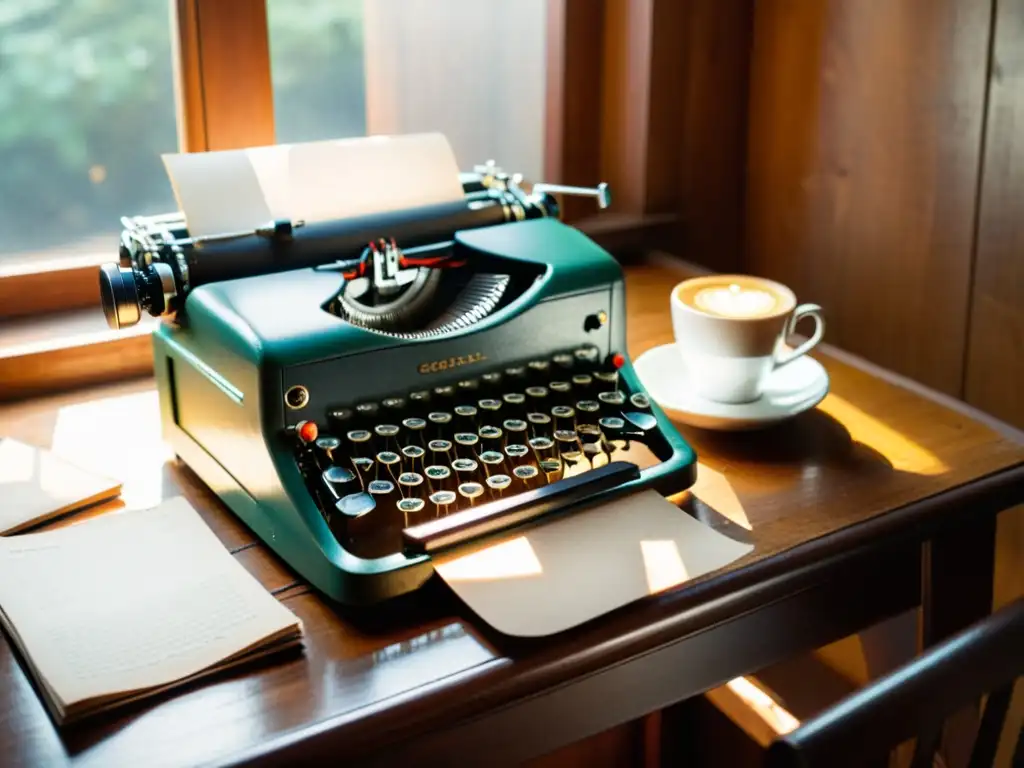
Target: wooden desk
837	502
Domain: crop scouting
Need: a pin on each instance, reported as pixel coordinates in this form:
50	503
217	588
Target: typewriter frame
244	396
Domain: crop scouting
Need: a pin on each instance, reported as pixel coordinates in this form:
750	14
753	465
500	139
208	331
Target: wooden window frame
611	114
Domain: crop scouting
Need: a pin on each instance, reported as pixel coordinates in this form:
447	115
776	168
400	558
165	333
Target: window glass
86	109
472	70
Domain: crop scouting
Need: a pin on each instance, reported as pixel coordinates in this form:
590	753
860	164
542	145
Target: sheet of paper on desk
239	190
37	485
557	576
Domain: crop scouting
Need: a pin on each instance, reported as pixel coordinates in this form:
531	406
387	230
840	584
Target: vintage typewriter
367	394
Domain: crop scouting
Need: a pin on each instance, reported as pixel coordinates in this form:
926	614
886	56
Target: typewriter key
384	496
612	426
465	469
471	491
515	375
540	424
589	434
542	446
587	354
438	477
387	435
419	402
326	447
514	403
498	484
490	438
409	481
412	457
356	504
411	509
611	402
640	400
563	361
492	460
468	387
587	411
526	474
515	428
394	407
414	428
581	383
539	370
465	417
552	470
387	462
440	451
340	419
359	440
439	421
340	481
536	398
366	414
516	450
606	381
564	416
466	443
489	405
566	440
561	392
492	381
442	501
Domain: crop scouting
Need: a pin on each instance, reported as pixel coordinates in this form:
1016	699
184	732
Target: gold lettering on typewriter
436	366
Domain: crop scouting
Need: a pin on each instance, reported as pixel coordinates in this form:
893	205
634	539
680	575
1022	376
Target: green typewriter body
363	416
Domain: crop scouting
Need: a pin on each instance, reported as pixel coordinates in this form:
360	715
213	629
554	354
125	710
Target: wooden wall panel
715	39
865	130
995	361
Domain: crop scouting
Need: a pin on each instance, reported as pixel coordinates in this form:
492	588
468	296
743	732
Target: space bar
504	513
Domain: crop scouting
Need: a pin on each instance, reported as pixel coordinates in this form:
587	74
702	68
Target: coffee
735	296
731	332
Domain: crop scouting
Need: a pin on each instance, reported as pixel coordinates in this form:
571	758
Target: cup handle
804	310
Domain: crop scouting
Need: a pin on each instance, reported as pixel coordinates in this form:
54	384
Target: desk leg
957	570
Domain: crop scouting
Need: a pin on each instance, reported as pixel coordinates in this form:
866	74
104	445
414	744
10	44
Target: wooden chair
914	701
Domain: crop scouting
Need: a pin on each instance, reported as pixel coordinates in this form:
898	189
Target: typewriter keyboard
538	429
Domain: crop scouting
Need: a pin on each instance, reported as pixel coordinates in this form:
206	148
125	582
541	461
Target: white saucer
791	389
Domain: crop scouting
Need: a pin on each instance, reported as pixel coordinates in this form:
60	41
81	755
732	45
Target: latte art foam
735	301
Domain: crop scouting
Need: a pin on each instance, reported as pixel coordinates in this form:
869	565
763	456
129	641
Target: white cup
731	332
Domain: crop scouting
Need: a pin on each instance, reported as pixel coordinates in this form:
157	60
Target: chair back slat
983	755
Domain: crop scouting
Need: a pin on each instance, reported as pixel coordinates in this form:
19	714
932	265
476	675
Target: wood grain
222	74
715	39
875	464
995	360
864	154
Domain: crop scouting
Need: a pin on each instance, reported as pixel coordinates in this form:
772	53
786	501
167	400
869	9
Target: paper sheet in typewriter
562	574
239	190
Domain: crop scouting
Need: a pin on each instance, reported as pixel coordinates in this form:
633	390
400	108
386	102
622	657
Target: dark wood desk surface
874	461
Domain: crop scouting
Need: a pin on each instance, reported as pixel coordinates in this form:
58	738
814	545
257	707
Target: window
86	109
472	70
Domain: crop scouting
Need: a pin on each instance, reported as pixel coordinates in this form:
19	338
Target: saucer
791	389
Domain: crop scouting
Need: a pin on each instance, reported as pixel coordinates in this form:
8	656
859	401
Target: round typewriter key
419	401
526	474
563	360
582	382
388	458
537	397
564	416
386	432
492	459
360	440
413	455
491	437
561	392
464	466
588	406
380	487
384	496
446	392
498	483
442	501
410	509
410	480
326	446
612	424
587	354
440	421
340	419
542	445
539	369
471	491
492	381
515	428
414	429
465	417
514	399
340	481
566	440
468	386
606	380
612	399
540	424
437	476
490	405
589	434
394	406
364	467
516	450
640	400
439	450
466	443
516	373
552	469
366	413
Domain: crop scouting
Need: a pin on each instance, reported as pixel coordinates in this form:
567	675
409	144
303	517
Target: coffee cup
731	332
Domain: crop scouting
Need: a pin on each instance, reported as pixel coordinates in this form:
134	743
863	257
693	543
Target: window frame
220	48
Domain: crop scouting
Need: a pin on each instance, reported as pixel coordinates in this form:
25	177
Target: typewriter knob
119	296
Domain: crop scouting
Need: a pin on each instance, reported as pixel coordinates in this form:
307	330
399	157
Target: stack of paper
37	485
127	605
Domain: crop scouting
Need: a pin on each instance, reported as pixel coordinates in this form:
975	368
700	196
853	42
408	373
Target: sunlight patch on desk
715	490
512	559
17	462
663	565
120	437
901	452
